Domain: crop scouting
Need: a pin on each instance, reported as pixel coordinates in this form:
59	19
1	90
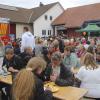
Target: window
43	32
50	17
49	32
46	17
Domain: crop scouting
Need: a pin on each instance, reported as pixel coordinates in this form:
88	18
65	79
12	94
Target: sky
35	3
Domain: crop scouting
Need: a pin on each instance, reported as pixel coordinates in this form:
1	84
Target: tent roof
91	27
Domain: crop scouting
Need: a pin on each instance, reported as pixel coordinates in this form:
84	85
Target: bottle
5	70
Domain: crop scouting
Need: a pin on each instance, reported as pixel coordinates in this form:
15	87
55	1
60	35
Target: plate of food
52	87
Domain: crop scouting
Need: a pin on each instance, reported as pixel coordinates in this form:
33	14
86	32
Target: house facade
42	26
38	19
19	29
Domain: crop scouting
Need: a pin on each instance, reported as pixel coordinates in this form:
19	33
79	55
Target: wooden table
69	93
6	79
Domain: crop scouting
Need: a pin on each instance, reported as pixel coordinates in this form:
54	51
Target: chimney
41	4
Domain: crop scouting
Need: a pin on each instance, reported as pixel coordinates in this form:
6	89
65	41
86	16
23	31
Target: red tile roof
75	17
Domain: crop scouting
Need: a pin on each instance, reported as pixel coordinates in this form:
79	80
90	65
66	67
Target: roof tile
75	17
22	15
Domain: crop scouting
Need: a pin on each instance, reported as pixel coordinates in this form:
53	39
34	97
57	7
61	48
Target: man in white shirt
27	40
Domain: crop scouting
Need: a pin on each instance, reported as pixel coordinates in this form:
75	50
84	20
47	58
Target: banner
4	29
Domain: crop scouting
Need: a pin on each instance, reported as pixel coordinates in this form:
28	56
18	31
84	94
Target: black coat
25	58
40	94
65	78
15	62
61	46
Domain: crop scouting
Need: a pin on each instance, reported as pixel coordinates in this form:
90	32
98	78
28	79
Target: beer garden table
6	79
69	93
64	93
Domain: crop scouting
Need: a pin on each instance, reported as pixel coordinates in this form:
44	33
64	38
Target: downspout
30	17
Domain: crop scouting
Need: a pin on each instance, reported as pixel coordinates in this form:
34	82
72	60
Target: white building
38	19
42	25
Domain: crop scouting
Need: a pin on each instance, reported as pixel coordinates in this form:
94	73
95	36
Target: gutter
30	17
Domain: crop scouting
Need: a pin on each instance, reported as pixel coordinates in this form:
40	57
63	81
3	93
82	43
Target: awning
91	27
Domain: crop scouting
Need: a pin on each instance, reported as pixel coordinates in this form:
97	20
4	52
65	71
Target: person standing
27	40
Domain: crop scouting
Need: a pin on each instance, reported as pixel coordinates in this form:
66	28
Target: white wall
42	24
19	29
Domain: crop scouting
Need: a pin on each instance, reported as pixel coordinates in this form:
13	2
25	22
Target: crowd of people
35	61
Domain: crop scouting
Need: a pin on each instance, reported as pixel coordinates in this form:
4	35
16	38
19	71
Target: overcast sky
34	3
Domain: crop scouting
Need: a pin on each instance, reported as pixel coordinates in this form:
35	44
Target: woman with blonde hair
27	84
89	75
36	63
38	47
23	86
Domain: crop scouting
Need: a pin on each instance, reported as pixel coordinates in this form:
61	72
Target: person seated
9	45
29	88
83	40
61	44
17	48
81	51
89	76
92	51
70	58
37	65
98	54
54	47
26	55
87	44
39	47
11	61
57	72
93	43
46	55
